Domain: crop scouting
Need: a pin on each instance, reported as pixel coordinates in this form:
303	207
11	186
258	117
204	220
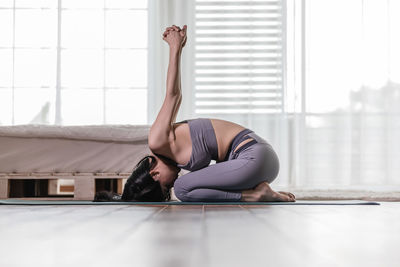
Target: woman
245	162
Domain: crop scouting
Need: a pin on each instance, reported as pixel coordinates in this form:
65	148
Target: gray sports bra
204	144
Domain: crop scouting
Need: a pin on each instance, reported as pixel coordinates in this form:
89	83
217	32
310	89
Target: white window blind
238	57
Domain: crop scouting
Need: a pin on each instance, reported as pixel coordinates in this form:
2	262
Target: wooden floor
163	236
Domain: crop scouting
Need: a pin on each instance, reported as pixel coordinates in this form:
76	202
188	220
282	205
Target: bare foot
288	194
267	194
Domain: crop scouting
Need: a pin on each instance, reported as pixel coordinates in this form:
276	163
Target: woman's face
164	172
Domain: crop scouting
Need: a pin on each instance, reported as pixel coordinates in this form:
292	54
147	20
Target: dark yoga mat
87	202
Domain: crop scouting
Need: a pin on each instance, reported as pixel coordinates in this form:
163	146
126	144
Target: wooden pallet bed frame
30	154
84	183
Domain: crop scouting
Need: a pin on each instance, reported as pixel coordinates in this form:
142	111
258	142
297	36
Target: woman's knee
180	189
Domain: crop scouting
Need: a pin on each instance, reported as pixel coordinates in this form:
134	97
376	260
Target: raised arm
174	84
175	40
161	130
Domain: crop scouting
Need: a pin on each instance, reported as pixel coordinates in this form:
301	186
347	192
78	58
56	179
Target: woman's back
180	147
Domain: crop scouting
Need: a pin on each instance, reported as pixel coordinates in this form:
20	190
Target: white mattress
49	148
120	133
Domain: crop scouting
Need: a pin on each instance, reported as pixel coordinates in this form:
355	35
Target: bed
71	162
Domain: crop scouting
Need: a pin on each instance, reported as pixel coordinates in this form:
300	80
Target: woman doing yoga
245	163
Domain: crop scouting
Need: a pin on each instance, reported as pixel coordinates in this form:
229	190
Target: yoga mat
88	202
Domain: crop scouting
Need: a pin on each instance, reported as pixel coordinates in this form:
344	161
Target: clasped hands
175	37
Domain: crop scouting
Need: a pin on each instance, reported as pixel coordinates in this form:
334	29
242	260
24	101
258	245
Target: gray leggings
225	180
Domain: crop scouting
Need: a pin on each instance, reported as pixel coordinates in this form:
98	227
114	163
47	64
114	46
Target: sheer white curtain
344	87
163	14
335	121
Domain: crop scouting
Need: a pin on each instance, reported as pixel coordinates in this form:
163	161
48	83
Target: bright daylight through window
75	64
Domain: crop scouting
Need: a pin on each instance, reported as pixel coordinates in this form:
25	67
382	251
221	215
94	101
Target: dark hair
106	196
140	186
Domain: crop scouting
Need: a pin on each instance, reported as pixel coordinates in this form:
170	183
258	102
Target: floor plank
196	235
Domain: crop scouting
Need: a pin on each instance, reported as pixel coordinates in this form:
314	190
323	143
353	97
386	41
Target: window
351	93
84	62
238	57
